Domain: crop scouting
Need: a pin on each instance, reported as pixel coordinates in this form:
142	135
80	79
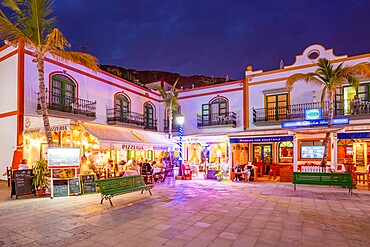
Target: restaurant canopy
111	137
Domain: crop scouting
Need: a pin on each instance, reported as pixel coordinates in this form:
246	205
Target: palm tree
330	79
31	24
170	101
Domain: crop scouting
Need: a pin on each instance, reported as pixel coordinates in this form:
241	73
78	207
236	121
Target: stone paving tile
192	213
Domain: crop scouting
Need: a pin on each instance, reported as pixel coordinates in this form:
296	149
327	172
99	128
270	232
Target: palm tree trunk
170	120
331	94
44	109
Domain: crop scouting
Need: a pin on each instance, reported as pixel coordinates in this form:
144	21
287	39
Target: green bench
331	179
121	185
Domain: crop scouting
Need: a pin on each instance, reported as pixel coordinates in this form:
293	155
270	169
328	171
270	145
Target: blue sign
311	123
312	114
358	135
262	139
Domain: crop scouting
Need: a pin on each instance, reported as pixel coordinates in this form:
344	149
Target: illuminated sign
311	123
312	114
63	157
262	139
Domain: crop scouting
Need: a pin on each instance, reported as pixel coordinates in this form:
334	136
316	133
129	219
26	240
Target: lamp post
180	120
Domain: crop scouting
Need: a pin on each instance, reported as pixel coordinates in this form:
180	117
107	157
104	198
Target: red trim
20	105
101	79
8	55
65	74
3	47
210	93
8	114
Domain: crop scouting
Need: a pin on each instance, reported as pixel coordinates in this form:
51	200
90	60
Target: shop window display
286	152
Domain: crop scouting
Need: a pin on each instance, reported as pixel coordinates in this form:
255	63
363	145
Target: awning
122	138
354	135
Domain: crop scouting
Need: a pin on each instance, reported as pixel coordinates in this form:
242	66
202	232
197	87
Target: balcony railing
226	119
62	103
290	112
132	118
175	125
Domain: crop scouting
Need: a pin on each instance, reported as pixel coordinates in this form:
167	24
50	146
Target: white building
270	103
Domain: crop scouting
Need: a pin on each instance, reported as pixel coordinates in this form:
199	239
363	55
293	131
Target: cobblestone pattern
192	213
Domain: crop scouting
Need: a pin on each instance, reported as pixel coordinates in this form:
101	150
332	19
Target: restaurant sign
262	139
313	114
313	123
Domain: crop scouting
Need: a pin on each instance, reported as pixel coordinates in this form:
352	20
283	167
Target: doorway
262	153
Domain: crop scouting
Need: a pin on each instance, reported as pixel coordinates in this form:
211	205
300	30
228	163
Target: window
122	106
312	149
276	106
63	92
286	152
216	108
148	115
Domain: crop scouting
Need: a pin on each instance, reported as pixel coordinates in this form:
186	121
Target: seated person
237	168
146	167
249	169
23	165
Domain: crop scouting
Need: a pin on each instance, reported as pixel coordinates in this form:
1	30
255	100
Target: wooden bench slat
331	179
121	185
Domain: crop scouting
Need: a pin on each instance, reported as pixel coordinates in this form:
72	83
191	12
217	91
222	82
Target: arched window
122	106
285	152
63	92
219	106
149	115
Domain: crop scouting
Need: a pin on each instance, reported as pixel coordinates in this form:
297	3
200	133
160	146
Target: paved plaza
192	213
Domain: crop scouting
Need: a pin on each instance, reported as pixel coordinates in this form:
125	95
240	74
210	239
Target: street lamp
180	120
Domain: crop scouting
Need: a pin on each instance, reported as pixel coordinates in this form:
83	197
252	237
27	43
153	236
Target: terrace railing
133	118
290	112
64	104
221	120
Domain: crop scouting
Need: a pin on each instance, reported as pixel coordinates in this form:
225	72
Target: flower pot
41	192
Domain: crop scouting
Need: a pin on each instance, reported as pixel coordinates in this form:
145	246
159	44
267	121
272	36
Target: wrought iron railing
116	115
229	118
62	103
296	111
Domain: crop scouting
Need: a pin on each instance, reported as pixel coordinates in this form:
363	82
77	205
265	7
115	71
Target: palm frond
161	91
56	40
309	77
322	98
8	31
76	57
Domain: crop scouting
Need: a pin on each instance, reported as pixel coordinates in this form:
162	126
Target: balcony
130	119
273	116
68	107
216	120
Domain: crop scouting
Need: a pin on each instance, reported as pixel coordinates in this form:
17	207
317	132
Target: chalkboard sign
88	183
211	174
60	188
22	183
74	186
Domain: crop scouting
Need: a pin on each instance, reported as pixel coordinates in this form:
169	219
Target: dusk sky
214	38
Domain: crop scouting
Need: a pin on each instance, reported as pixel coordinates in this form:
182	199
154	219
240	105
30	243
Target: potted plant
40	173
219	176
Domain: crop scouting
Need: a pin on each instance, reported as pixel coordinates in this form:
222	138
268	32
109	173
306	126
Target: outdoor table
157	170
130	173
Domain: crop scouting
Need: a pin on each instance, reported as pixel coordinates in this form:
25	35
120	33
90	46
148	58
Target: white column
229	160
334	150
295	152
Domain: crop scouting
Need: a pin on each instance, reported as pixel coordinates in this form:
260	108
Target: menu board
22	183
88	183
360	154
63	157
60	188
74	186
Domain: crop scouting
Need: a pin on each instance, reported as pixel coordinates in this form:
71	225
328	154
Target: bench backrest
323	178
120	183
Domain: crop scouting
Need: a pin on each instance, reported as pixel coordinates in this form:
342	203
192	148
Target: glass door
262	153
